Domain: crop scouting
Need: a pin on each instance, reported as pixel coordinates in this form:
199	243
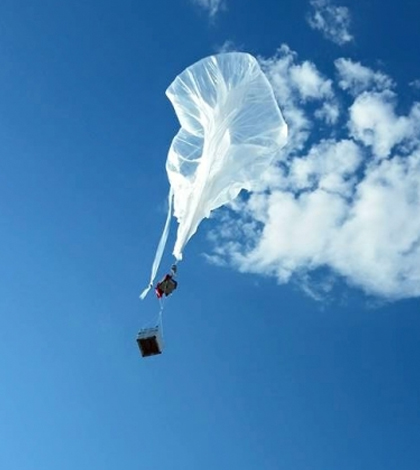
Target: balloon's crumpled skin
231	131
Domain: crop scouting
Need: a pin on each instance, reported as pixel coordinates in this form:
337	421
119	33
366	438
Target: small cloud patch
331	20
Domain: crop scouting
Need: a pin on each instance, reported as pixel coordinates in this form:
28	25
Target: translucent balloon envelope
231	131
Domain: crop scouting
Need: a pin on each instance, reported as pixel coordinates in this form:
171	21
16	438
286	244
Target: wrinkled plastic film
231	131
161	246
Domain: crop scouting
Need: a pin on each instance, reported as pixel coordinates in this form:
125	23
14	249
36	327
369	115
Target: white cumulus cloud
374	122
355	78
331	20
378	245
344	201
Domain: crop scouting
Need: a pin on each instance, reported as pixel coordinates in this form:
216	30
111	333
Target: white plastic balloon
231	131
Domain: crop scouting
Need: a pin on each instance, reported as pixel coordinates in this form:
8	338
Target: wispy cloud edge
331	20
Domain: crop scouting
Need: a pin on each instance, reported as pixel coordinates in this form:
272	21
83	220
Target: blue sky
291	346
